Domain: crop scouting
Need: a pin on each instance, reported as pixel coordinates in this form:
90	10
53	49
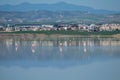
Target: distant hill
44	16
61	6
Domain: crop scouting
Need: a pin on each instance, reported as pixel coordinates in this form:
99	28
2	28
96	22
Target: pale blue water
60	59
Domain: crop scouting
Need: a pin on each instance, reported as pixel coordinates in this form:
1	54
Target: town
49	27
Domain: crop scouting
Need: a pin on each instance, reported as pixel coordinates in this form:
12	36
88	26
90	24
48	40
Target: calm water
60	59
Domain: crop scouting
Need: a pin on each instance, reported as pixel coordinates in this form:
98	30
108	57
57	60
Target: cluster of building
82	27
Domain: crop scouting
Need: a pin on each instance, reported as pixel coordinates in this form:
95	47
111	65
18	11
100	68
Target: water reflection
60	59
65	42
59	49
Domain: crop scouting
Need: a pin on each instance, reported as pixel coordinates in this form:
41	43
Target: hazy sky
98	4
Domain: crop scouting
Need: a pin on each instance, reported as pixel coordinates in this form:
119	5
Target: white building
48	26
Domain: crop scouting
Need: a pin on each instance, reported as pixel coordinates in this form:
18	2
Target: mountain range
60	6
55	13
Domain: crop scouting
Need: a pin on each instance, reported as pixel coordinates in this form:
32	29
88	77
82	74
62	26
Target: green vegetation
70	32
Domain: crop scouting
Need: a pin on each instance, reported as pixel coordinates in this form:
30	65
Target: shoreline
30	35
59	34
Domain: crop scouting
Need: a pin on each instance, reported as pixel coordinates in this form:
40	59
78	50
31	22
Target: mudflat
42	36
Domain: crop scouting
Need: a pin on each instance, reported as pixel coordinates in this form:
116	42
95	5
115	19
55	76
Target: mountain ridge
60	6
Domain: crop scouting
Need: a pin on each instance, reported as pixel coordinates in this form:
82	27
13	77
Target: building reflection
81	42
70	48
9	43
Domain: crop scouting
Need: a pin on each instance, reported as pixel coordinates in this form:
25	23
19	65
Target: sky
113	5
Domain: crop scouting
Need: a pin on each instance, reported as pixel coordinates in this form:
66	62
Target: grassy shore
70	32
61	33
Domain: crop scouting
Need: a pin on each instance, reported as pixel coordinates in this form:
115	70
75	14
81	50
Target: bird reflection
16	46
85	49
33	46
60	49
